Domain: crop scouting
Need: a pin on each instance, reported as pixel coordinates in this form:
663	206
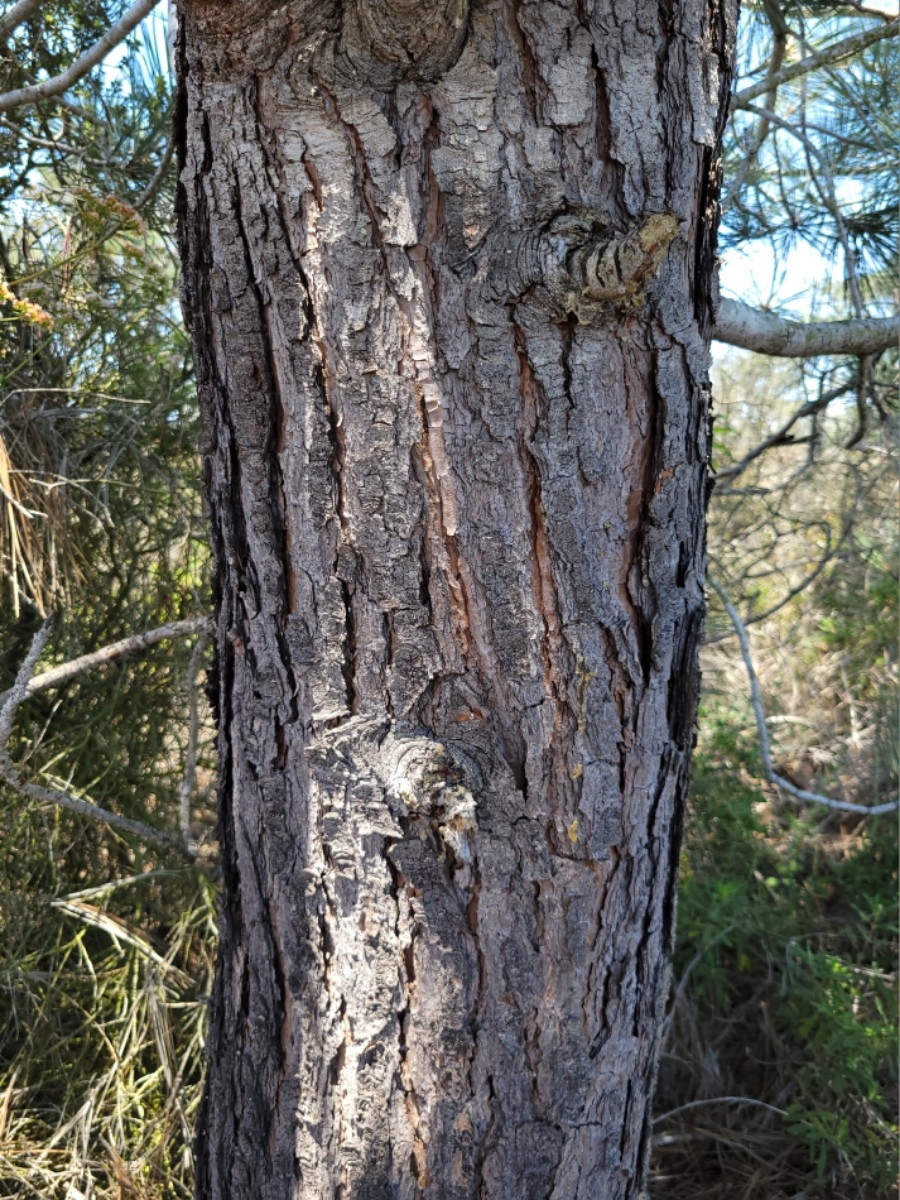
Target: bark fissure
546	599
281	553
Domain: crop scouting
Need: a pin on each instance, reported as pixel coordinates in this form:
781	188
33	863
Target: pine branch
16	16
783	436
832	54
95	54
737	324
135	644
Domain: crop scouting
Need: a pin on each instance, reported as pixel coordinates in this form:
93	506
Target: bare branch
874	810
737	324
827	555
156	179
673	1112
135	644
834	53
59	147
783	436
11	775
679	991
16	16
91	57
17	693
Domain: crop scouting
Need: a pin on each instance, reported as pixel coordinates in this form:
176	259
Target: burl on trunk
448	271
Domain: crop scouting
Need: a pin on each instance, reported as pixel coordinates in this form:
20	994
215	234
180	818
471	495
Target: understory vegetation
778	1075
779	1071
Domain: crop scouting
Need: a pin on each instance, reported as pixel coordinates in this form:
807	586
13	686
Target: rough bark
450	297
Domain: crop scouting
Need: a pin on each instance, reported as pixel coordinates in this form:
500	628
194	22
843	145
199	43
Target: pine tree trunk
448	274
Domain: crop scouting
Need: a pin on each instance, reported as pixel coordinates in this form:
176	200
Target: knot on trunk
401	776
387	41
584	268
435	784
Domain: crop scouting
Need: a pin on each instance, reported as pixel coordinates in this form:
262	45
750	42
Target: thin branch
16	694
781	436
827	555
50	144
117	929
11	775
20	508
109	232
155	179
832	54
114	885
58	84
737	324
756	137
828	196
135	644
679	990
874	810
718	1100
16	16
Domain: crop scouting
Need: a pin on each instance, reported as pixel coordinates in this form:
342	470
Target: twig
104	889
155	179
20	508
92	56
718	1100
811	408
51	144
680	988
874	810
109	654
835	53
11	700
756	138
11	775
106	235
117	929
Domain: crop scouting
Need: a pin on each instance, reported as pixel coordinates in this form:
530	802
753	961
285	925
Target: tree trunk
448	274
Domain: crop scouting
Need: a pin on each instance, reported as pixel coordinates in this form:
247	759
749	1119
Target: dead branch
874	810
135	644
11	775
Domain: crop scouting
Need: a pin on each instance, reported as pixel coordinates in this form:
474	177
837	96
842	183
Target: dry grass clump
103	1016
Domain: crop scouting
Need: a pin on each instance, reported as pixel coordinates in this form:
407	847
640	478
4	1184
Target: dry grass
103	1049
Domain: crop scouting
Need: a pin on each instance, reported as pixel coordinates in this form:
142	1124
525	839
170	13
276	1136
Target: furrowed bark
451	333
